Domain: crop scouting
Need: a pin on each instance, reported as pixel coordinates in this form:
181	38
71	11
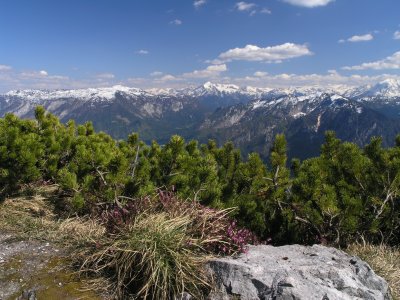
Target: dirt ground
32	259
37	266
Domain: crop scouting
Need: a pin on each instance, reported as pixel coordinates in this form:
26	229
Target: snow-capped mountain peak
389	88
220	87
99	94
216	89
386	88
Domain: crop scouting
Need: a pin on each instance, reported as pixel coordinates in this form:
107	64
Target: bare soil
35	252
37	266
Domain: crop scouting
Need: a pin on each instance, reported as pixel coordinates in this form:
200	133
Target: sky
48	44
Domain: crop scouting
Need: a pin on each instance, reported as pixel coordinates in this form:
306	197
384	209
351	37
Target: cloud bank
389	63
5	68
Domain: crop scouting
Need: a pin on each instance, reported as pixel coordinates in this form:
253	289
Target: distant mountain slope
248	116
119	110
304	120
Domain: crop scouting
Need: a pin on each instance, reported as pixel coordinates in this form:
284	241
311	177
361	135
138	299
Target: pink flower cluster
239	239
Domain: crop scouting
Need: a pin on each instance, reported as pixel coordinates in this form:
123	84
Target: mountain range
248	116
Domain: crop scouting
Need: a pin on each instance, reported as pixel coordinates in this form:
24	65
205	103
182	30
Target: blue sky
172	43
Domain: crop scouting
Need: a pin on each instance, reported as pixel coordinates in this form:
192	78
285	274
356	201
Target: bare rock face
296	272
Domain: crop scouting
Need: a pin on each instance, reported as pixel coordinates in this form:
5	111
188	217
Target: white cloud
262	79
244	6
209	72
272	54
176	22
265	11
331	79
358	38
33	74
168	77
41	79
361	38
5	68
396	35
105	76
34	80
199	3
390	62
156	74
252	13
309	3
260	74
31	79
142	52
251	8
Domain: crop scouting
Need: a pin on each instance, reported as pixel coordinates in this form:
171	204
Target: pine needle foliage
347	190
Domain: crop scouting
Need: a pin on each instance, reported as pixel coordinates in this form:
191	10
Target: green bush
20	153
345	191
349	191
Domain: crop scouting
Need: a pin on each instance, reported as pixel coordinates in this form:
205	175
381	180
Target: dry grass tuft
33	218
27	217
384	260
83	230
153	258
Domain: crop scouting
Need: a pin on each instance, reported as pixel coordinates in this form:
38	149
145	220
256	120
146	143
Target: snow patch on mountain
259	103
99	94
299	115
389	88
337	97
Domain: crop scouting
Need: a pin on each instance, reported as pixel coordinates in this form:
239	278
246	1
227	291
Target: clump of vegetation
384	260
157	247
214	230
154	257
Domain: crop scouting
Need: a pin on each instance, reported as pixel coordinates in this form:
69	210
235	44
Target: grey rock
295	272
27	295
184	296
